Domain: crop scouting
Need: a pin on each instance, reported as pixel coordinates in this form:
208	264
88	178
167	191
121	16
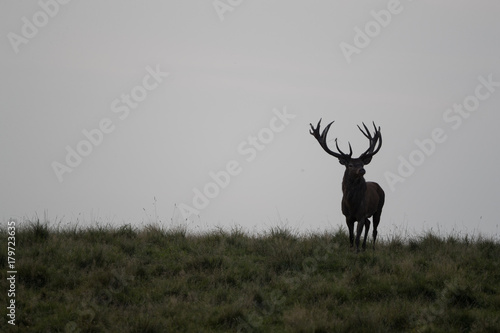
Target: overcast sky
197	112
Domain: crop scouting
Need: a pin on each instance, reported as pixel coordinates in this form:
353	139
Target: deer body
361	200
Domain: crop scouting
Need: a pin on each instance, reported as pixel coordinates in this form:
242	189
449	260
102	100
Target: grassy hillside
155	280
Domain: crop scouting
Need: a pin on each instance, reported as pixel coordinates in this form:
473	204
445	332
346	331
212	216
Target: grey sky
227	82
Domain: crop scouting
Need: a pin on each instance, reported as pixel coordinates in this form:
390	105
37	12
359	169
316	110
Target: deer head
354	166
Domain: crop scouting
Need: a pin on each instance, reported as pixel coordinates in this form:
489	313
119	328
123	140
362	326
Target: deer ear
343	161
367	160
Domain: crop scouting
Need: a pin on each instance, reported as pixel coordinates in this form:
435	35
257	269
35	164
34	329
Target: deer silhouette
361	199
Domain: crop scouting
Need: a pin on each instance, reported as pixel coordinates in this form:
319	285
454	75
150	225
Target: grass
104	279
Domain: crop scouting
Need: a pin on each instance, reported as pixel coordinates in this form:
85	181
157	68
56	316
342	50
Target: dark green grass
104	279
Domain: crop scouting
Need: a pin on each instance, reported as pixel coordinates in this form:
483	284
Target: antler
377	137
322	141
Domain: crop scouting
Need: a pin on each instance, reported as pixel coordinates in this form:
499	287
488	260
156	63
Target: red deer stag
361	199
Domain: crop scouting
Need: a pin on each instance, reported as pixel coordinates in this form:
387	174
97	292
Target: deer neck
353	188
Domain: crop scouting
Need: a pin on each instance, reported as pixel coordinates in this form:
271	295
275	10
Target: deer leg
350	226
367	228
358	232
376	220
